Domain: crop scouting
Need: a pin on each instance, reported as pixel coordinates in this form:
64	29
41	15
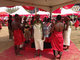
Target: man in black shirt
10	27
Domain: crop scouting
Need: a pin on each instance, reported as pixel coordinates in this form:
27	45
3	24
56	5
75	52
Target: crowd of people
57	31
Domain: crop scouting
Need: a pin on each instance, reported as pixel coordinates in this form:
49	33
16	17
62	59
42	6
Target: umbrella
21	11
68	6
4	14
65	7
67	11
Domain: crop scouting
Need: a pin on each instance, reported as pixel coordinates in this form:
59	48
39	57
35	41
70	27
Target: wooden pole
50	12
35	11
50	15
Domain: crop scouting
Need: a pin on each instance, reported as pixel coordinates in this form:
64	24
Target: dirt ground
75	37
5	43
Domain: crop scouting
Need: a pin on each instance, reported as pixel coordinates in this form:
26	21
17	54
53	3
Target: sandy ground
75	37
5	43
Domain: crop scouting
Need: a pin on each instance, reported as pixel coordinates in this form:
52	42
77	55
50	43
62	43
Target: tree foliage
12	10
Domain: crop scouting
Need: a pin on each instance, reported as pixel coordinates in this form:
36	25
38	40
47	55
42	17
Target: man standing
67	33
10	27
18	34
31	29
38	35
57	37
24	23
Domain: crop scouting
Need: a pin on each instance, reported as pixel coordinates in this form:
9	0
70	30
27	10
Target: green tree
12	10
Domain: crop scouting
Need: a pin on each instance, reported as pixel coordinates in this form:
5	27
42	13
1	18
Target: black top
9	24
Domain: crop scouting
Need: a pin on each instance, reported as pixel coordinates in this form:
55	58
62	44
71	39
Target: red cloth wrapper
18	37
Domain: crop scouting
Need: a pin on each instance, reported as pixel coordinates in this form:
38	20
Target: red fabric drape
68	6
65	7
4	14
41	9
10	6
57	11
28	7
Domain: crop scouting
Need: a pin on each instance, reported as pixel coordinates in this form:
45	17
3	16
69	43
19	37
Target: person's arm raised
52	28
